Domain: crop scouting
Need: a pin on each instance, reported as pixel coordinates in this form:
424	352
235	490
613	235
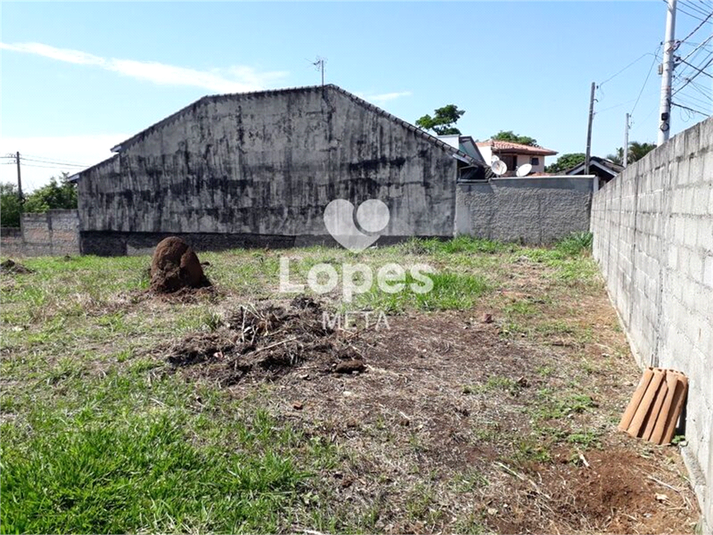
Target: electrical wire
622	70
689	80
23	159
693	66
38	166
689	109
697	27
648	75
694	7
44	160
692	15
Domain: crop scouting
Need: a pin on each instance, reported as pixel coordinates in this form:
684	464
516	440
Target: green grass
141	474
451	291
576	243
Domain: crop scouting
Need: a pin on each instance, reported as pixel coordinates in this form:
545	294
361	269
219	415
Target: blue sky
80	77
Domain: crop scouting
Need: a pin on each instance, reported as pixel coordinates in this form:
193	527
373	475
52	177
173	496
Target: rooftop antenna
319	64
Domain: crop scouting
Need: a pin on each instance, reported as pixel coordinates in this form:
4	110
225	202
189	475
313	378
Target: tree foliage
58	194
509	135
565	162
10	208
636	152
442	121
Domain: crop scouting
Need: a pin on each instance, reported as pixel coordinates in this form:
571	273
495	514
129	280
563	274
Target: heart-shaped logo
372	216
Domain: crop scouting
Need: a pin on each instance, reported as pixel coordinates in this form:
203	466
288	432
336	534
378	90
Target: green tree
10	208
509	135
565	162
617	157
443	120
55	195
636	152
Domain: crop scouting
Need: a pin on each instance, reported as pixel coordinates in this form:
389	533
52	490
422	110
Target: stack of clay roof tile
656	405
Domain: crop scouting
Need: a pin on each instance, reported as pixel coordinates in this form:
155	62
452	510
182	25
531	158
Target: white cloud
60	54
386	97
235	79
86	150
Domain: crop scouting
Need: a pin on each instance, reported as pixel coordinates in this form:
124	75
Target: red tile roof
507	146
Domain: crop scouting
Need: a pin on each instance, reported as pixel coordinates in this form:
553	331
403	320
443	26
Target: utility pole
626	142
320	65
20	196
669	47
589	131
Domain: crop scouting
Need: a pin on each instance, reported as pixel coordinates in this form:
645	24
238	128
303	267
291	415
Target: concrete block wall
653	239
53	233
532	210
10	241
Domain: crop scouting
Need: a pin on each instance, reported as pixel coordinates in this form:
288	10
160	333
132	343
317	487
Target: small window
535	160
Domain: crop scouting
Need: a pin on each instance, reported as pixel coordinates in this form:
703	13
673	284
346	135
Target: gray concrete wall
52	233
653	238
532	210
268	164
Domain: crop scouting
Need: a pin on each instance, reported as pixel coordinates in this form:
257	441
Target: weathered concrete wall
55	232
529	210
10	241
653	238
141	243
267	164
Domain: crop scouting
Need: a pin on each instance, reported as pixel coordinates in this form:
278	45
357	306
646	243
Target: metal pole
20	196
626	142
589	131
669	46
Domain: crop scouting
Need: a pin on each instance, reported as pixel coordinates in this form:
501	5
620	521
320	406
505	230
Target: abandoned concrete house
260	168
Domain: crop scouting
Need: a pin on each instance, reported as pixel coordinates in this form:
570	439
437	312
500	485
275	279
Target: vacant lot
487	405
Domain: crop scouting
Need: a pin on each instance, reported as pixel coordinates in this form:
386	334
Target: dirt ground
450	415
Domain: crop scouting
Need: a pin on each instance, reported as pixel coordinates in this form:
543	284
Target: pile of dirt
9	266
267	342
175	267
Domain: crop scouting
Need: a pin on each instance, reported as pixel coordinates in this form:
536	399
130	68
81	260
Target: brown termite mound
175	267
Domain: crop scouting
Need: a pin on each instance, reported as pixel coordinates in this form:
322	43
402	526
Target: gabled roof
258	94
498	146
602	163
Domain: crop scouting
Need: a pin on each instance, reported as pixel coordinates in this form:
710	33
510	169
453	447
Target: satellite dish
524	170
499	167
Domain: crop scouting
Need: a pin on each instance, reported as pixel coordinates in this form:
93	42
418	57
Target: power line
689	80
694	7
44	159
702	91
697	27
67	164
39	166
689	109
696	68
696	16
622	70
651	68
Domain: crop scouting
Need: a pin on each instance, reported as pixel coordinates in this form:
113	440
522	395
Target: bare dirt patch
446	424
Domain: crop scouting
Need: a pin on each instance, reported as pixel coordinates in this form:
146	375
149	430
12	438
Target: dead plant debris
10	266
266	342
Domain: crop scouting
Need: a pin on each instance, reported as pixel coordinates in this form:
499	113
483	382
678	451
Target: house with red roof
514	155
